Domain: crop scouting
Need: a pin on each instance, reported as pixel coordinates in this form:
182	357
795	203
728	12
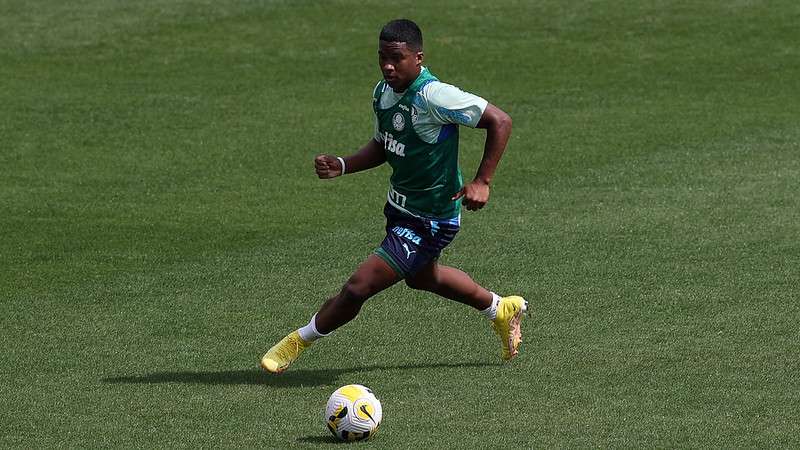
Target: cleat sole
515	336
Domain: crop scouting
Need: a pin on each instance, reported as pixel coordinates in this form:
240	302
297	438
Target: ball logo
398	122
365	410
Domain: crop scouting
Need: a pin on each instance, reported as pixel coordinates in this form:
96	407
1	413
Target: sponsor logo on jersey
393	146
405	233
414	115
397	198
398	122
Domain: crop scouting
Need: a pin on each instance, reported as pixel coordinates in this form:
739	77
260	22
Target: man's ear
420	58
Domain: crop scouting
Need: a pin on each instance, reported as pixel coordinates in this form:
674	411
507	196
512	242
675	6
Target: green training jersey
419	133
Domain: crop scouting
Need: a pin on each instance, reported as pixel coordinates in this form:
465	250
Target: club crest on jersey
398	122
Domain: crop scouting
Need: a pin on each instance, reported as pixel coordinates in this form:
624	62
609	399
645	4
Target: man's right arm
369	156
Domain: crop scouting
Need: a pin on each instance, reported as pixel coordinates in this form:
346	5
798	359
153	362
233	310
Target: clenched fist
327	166
475	194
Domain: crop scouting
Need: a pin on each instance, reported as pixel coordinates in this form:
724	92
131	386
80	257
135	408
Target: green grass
162	225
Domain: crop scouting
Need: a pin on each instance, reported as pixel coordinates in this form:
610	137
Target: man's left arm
498	129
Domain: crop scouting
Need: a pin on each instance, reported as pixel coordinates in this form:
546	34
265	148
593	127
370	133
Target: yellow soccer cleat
278	358
507	324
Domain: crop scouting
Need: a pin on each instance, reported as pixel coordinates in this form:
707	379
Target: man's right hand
327	166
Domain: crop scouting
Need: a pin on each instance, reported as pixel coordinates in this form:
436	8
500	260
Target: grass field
162	225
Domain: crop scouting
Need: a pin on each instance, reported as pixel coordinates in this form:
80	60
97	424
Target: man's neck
405	88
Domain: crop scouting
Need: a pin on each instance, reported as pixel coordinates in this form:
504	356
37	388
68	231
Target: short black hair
403	30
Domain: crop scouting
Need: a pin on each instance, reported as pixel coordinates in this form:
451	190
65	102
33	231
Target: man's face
400	65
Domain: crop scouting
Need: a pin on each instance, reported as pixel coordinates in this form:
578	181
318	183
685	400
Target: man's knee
357	290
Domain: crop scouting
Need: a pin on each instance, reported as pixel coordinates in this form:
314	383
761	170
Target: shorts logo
407	234
408	252
398	122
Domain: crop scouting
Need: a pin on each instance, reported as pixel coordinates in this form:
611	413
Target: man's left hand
475	194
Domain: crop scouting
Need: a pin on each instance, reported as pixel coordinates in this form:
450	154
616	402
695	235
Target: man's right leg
371	277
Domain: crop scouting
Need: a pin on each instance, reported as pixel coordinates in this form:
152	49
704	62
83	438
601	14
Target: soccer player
416	132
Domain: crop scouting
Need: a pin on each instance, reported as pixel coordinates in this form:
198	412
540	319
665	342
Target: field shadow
292	378
329	439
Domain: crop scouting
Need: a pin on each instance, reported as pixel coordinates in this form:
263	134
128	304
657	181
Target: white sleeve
449	104
377	134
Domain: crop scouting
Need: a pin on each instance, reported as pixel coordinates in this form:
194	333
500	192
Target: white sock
309	333
491	311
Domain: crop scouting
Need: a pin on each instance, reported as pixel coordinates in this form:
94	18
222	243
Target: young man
416	132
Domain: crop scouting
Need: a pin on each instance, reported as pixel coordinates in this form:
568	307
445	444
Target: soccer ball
353	413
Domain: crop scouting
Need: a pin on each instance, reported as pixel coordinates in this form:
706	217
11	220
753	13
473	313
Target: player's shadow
329	439
292	378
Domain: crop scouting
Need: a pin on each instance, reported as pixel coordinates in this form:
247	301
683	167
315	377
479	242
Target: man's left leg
505	313
451	283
